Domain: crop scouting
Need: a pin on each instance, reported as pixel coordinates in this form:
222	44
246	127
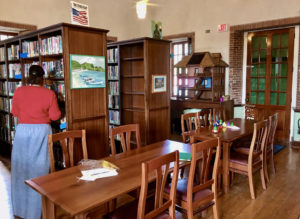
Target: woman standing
35	107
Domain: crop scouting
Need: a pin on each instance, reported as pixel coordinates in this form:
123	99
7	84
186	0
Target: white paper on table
93	174
233	127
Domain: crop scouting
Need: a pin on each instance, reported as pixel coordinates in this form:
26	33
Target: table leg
48	208
226	156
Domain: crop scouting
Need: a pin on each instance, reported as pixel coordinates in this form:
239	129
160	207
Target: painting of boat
87	71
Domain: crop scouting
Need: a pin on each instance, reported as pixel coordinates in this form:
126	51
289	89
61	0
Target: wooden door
269	76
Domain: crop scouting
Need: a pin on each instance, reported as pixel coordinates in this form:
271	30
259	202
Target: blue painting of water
88	79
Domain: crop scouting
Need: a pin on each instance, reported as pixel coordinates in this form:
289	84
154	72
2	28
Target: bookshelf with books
50	47
138	61
113	75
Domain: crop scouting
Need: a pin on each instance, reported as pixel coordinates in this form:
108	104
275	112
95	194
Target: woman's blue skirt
30	159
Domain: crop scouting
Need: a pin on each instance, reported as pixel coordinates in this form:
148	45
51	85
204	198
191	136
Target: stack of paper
93	174
233	127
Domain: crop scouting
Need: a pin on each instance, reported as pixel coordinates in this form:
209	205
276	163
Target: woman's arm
54	112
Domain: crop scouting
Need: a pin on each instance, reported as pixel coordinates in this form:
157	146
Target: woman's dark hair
36	74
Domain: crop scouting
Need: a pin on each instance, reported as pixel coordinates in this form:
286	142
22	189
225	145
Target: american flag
80	16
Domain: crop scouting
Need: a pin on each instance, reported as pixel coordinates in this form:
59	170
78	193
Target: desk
227	137
77	197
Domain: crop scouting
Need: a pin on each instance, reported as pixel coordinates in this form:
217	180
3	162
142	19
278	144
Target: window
182	45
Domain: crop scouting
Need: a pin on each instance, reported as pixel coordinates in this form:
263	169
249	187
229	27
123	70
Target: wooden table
227	137
77	197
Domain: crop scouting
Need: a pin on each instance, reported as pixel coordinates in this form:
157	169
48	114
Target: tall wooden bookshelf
51	47
139	60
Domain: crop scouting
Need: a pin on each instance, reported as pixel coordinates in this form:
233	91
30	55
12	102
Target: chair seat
181	192
129	210
242	159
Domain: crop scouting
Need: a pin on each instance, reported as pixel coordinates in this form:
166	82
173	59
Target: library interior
168	109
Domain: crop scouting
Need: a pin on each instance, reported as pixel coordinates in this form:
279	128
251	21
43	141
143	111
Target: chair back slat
125	133
258	141
66	140
160	167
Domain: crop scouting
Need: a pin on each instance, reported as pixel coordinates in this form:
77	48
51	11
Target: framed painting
159	83
87	71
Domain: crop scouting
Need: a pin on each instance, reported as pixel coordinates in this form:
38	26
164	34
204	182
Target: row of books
59	88
2	54
4	104
114	117
114	88
3	88
3	72
113	101
112	55
12	86
113	72
15	70
51	45
54	68
4	133
30	48
13	52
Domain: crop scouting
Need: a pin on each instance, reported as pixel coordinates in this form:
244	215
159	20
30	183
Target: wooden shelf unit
139	59
83	108
201	76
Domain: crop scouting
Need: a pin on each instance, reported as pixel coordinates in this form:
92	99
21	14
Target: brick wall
236	54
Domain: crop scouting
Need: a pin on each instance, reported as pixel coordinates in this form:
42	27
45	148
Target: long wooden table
77	197
227	137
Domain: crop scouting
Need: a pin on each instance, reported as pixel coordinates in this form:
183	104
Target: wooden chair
205	118
66	140
219	114
246	161
189	122
124	132
269	148
191	197
153	207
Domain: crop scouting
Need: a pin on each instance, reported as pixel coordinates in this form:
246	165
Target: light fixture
141	9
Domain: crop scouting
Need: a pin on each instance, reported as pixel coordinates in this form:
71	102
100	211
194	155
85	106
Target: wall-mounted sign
79	14
222	28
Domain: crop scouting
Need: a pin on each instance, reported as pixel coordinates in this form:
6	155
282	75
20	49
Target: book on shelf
59	88
3	72
15	70
114	88
13	52
114	117
54	69
51	45
113	101
112	55
113	72
12	86
4	104
30	49
2	54
3	88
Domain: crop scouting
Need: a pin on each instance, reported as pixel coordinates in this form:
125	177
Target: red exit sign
222	27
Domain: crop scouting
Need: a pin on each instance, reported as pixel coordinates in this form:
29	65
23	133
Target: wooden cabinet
201	76
139	60
51	47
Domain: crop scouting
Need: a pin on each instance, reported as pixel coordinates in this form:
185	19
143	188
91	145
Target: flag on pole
79	14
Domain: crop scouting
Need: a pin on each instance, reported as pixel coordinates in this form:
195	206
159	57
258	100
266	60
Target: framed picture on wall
87	71
159	83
